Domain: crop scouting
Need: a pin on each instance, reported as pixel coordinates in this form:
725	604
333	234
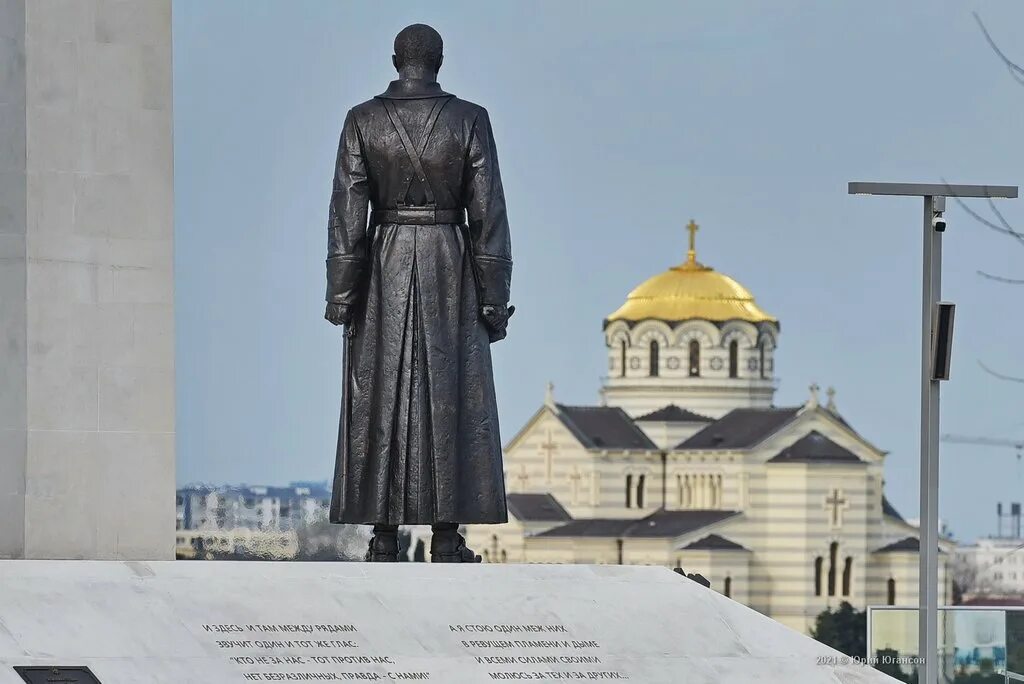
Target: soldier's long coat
423	444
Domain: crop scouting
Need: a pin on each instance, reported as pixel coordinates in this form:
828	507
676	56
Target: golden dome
690	291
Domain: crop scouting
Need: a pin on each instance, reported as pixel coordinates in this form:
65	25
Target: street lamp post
936	341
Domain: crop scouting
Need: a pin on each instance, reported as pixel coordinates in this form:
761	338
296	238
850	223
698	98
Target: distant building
687	462
207	544
247	520
203	507
993	566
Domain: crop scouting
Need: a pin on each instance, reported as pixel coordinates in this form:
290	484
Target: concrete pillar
86	280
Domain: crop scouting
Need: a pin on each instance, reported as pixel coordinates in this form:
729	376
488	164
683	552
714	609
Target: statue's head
418	46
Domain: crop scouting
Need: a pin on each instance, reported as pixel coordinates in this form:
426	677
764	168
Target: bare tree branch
1006	226
1000	279
1015	70
1005	229
1001	376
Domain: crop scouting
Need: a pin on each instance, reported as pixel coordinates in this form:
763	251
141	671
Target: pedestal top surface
202	621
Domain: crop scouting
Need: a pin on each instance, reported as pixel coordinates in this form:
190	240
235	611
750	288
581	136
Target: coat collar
412	89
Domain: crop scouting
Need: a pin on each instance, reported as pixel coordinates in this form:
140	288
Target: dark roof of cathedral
536	507
714	542
890	510
675	414
590	527
740	428
663	524
604	427
906	544
815	447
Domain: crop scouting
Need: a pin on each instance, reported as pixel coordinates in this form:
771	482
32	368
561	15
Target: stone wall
96	197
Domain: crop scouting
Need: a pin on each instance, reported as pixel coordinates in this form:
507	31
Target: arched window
504	556
818	562
687	492
734	359
891	593
629	491
694	358
728	587
640	491
622	361
653	369
847	571
833	551
761	363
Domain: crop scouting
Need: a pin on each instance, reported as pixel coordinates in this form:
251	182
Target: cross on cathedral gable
549	448
837	504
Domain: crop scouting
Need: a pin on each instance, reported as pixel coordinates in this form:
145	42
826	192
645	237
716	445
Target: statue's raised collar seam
412	89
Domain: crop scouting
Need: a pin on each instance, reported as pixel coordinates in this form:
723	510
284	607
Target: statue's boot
383	545
448	546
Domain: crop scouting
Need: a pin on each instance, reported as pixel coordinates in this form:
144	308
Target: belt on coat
421	216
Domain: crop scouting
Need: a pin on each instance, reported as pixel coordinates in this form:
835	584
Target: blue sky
615	123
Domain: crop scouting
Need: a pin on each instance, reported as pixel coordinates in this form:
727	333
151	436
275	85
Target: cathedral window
890	599
653	368
640	481
629	491
847	571
575	479
734	359
728	587
622	351
495	555
694	358
761	364
818	562
833	552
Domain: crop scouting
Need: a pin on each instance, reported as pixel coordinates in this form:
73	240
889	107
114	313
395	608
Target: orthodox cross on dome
836	503
549	448
691	255
831	394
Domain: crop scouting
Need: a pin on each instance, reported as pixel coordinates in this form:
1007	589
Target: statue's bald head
418	46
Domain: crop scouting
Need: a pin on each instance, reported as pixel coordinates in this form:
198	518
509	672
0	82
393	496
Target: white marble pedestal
224	622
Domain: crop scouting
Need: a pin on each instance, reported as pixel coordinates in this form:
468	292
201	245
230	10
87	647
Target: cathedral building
687	462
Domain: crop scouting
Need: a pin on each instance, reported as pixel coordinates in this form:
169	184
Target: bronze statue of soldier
419	265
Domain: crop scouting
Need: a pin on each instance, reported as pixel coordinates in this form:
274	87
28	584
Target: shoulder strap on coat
410	149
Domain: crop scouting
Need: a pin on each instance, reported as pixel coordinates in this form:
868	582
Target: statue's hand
338	314
496	318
